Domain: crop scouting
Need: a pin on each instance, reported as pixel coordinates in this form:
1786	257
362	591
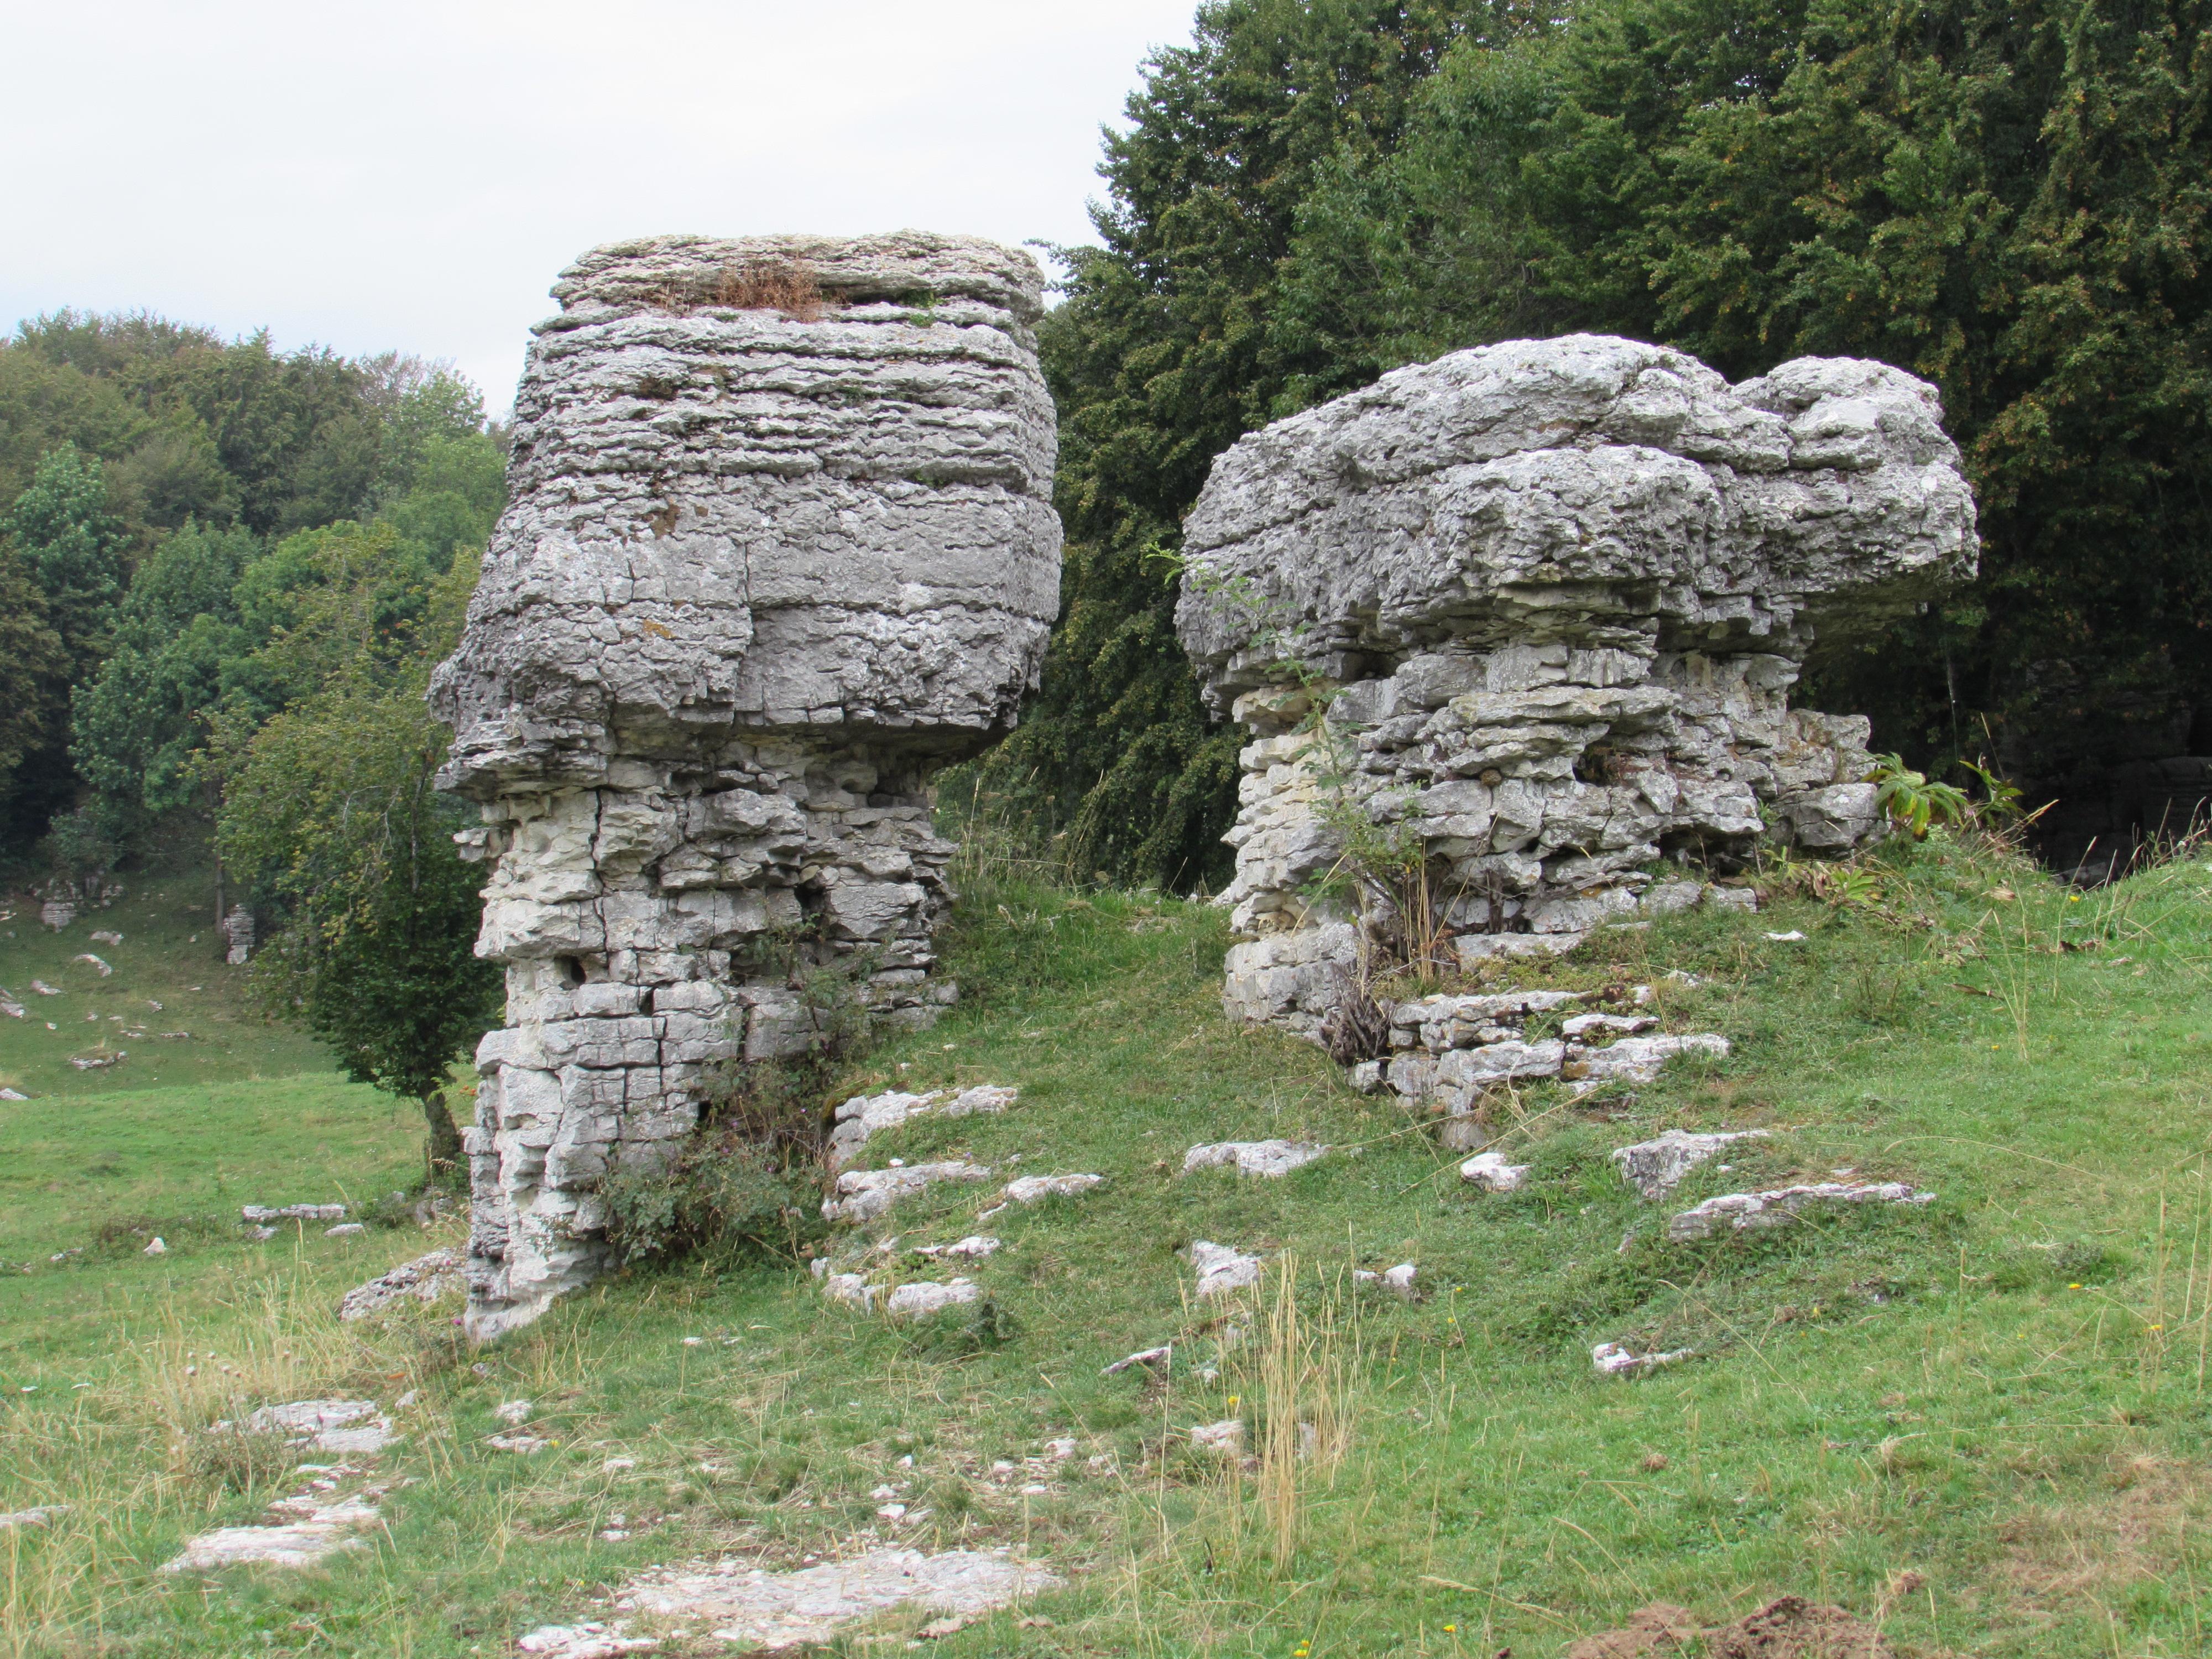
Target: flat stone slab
1221	1270
974	1247
865	1115
1638	1059
347	1427
923	1298
1269	1158
325	1532
1035	1190
864	1194
754	1607
1655	1168
1751	1212
425	1278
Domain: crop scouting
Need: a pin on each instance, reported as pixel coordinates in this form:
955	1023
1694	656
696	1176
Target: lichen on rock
779	545
1536	608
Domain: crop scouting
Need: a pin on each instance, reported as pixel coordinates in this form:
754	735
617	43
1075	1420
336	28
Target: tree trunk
443	1152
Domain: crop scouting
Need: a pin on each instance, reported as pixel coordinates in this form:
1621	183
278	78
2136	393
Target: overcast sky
402	175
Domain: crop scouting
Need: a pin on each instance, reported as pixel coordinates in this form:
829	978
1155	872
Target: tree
141	722
331	805
1160	358
69	549
31	664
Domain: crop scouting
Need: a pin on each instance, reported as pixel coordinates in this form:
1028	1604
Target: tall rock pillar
779	545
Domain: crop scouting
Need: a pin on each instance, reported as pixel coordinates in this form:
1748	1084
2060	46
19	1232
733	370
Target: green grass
2002	1394
170	955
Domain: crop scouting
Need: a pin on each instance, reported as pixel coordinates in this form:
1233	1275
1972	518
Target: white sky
410	175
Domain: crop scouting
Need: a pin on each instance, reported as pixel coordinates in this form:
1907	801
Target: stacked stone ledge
780	547
1538	606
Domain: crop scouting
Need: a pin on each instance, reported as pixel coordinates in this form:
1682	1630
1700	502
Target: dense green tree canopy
174	498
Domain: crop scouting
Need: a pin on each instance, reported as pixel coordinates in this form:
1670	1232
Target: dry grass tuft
2130	1528
786	286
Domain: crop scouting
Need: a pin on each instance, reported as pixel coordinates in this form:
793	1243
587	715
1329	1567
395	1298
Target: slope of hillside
1980	1423
168	1013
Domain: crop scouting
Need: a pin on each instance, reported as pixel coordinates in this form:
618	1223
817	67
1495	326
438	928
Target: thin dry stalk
1307	1369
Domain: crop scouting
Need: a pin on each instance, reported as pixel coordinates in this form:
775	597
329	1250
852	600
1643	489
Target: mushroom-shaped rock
779	545
1555	592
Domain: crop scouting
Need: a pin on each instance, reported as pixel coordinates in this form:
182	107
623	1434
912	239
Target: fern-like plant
1913	801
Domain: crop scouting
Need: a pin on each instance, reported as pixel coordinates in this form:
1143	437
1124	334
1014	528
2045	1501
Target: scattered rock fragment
1398	1281
864	1194
1611	1359
1225	1438
1778	1206
13	1094
344	1229
865	1116
94	962
9	1006
44	989
1269	1158
106	936
1795	935
425	1278
1031	1189
1162	1355
40	1517
263	1213
98	1063
157	1248
750	1606
521	1442
923	1298
974	1247
587	1641
1221	1270
514	1412
1582	1025
851	1289
1655	1168
1490	1173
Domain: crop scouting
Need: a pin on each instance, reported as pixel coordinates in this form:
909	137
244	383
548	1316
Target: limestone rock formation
1553	595
779	545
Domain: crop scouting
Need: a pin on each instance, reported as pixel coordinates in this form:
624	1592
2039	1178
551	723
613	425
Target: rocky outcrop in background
781	545
1529	614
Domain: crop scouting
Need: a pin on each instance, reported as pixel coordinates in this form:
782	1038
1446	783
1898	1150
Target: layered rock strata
1526	619
779	545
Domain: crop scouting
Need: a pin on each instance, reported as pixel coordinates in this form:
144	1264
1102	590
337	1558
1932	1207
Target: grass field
1983	1424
